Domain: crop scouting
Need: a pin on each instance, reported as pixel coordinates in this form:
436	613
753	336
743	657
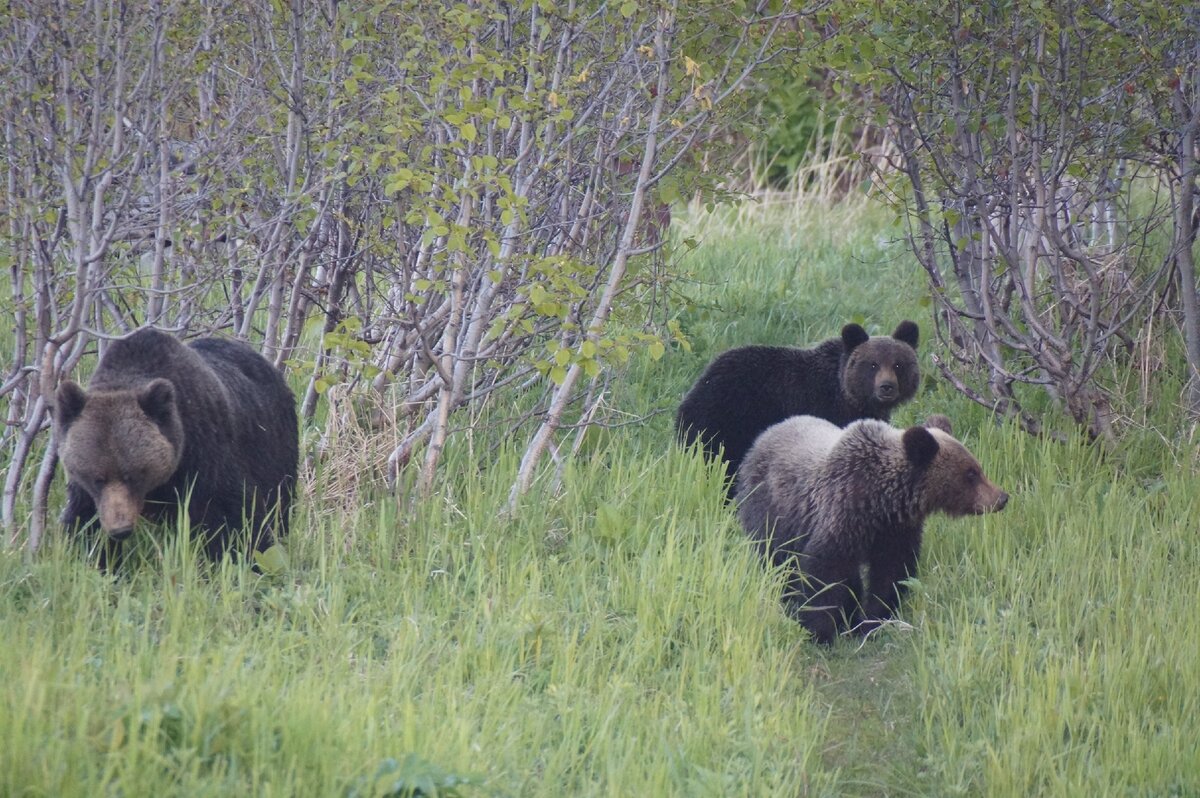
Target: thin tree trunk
558	403
1185	236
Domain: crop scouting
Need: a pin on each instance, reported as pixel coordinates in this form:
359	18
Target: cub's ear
938	421
853	335
920	446
68	403
908	332
157	400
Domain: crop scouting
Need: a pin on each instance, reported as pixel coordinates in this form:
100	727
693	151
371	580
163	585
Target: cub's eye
898	367
874	366
972	477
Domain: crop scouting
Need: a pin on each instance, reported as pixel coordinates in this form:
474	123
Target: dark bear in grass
746	390
211	423
827	503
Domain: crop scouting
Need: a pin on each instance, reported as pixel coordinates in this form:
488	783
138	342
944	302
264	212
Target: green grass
620	637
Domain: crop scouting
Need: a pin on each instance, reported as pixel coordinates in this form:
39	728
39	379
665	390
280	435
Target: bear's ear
853	335
920	446
908	332
938	421
68	403
157	400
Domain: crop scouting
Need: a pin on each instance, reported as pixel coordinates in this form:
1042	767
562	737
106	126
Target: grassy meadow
618	637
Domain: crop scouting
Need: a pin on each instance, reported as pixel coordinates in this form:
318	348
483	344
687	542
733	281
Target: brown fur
208	428
747	389
826	502
127	443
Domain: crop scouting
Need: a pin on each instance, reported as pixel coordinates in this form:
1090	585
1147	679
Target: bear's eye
898	367
972	477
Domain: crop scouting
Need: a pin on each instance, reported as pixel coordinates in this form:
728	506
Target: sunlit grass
618	636
604	641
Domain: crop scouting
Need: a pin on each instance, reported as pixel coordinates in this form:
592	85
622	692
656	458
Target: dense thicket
422	204
1044	155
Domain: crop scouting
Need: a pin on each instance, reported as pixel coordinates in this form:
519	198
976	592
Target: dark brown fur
746	390
210	426
825	502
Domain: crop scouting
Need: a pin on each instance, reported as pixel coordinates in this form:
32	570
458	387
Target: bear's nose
120	534
886	390
1003	500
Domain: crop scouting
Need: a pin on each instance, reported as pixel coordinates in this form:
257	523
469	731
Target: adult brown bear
210	426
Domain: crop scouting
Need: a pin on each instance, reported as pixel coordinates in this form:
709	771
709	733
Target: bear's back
746	390
252	382
141	356
776	481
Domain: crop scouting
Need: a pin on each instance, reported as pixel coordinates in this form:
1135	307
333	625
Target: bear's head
880	372
951	480
118	446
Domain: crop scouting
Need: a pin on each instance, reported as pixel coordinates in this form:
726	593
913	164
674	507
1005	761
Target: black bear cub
746	390
829	502
211	423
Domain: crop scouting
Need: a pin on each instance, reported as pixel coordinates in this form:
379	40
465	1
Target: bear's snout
995	505
887	390
118	509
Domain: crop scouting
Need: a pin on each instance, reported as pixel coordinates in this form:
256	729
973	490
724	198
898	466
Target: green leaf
412	777
398	181
273	561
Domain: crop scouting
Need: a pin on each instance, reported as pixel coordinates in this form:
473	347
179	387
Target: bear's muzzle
118	509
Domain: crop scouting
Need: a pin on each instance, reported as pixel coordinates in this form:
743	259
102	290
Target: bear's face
118	446
880	372
952	481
